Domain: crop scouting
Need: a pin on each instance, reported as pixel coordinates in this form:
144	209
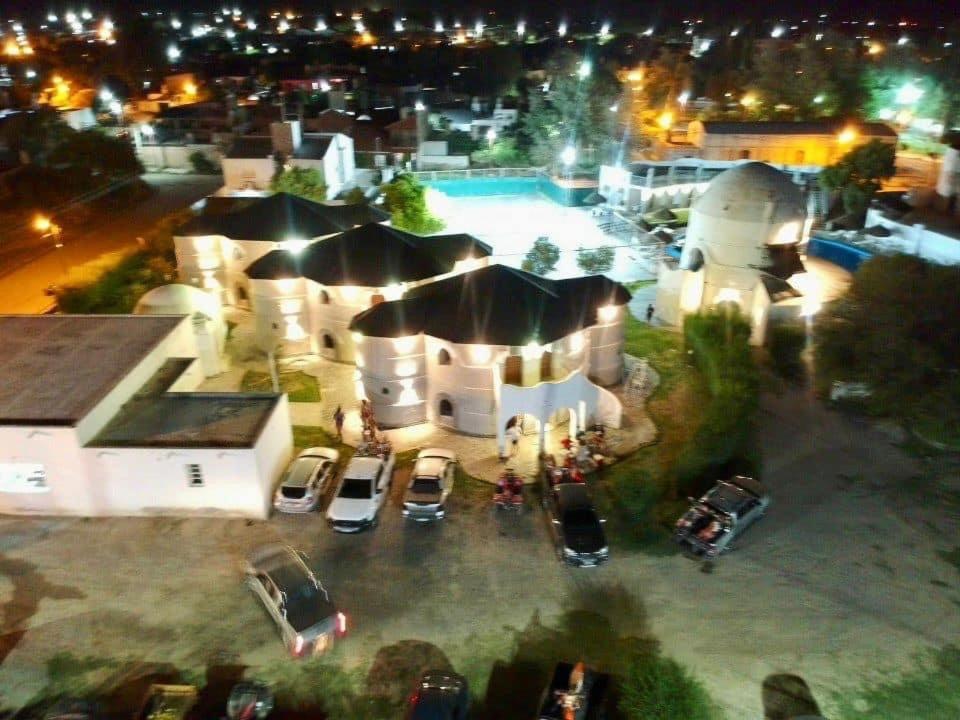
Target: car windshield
425	485
356	489
579	519
299	472
293	492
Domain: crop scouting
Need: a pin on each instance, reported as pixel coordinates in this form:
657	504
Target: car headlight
567	552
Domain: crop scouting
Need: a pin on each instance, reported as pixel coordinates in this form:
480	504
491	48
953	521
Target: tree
542	258
857	175
407	203
304	182
572	111
501	153
597	261
98	157
659	688
201	164
897	330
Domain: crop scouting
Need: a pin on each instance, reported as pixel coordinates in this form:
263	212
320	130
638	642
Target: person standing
513	436
649	312
338	417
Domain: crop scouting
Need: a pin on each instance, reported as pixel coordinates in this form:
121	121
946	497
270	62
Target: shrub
786	344
596	261
659	688
303	182
202	165
542	258
406	199
718	340
355	196
113	283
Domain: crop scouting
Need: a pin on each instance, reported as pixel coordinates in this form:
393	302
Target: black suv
576	528
440	696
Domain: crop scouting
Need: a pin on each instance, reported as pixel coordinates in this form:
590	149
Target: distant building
476	350
818	142
98	417
214	249
251	161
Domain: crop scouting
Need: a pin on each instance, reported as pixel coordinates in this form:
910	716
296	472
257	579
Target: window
744	154
324	297
194	475
443	357
376	299
385	391
446	408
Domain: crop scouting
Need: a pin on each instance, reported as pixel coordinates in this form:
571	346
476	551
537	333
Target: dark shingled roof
313	147
371	255
280	217
251	146
812	127
495	305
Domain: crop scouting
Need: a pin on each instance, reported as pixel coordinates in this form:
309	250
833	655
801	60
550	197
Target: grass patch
930	690
951	556
298	386
307	436
635	285
638	495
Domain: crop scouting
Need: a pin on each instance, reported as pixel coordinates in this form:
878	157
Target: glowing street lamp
665	120
491	136
585	69
173	53
908	94
562	29
605	30
683	98
106	96
521	29
41	223
478	29
748	100
568	156
438	26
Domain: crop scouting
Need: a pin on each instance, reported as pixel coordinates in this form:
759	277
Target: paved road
21	291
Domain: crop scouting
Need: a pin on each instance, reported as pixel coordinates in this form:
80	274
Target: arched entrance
445	411
328	346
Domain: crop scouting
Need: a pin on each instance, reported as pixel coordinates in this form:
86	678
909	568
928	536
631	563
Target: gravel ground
841	579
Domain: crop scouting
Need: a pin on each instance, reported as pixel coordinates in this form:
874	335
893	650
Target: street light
585	69
562	29
106	96
491	136
568	156
173	53
847	135
908	94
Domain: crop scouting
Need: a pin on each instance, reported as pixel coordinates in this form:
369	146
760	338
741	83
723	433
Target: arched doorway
445	410
328	346
240	293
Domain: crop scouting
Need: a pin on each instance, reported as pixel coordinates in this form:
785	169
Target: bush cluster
719	343
786	343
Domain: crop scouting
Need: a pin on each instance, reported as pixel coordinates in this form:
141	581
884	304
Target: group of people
509	487
366	418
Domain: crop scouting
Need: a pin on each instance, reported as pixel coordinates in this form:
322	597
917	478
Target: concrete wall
214	262
605	365
58	451
918	239
176	157
467	383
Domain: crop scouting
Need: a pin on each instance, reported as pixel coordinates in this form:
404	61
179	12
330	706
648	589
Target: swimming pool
493	186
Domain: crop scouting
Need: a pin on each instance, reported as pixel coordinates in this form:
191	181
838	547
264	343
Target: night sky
919	10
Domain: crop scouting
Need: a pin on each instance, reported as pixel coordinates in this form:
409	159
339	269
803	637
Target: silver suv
430	484
301	607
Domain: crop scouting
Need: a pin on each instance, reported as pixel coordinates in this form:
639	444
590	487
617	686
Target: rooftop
280	217
154	417
54	369
372	255
811	127
495	305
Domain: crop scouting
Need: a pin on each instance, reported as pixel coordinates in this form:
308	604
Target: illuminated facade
741	246
472	351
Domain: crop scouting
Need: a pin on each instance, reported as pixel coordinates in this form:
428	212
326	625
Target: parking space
844	576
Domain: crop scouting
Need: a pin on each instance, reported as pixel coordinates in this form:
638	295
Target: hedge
786	344
718	341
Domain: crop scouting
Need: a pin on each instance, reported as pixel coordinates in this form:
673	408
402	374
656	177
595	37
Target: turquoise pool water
485	187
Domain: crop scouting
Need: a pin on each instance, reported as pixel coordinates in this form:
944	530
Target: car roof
430	466
365	467
728	497
306	601
573	496
301	469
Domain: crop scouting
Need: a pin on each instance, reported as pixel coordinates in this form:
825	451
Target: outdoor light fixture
491	135
908	94
607	313
294	246
105	95
818	99
532	350
419	106
734	32
748	100
176	24
393	292
321	25
438	26
614	108
562	30
847	136
585	69
521	29
41	223
251	25
605	29
397	26
903	40
173	53
569	155
478	28
665	120
357	337
683	98
481	354
405	345
777	32
147	130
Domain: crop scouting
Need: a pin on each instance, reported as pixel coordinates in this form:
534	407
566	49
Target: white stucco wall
605	365
393	372
248	173
58	451
466	382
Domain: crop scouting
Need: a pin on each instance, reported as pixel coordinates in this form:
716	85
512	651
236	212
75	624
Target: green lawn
298	386
638	494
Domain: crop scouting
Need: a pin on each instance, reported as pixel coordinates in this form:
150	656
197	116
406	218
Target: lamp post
50	229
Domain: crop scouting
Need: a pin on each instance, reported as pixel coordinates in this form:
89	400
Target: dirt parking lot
847	576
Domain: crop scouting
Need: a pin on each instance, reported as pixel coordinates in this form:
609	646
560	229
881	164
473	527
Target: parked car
575	691
430	484
725	511
305	480
440	696
361	493
849	391
575	526
299	604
